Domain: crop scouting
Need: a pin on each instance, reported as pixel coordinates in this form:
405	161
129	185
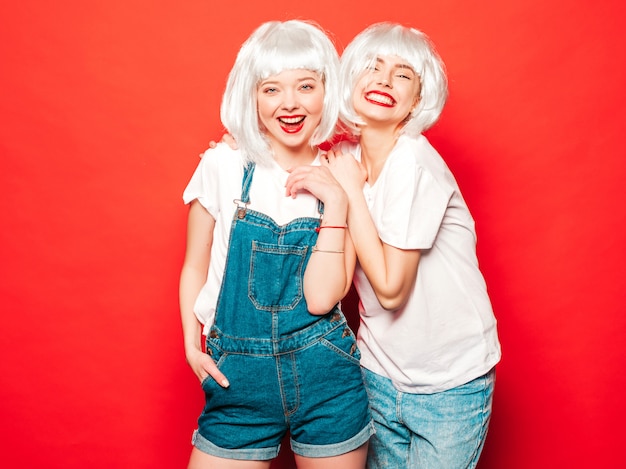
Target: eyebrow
305	78
400	66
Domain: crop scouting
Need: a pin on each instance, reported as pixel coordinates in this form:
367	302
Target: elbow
393	297
318	303
318	312
391	303
319	308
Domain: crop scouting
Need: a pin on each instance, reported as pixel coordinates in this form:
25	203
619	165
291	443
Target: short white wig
389	39
272	48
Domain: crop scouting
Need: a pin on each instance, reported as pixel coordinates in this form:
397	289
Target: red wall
105	107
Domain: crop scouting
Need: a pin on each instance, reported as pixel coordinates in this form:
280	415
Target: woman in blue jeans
427	334
264	271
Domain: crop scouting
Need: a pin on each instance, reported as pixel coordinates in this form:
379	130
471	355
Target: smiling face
386	92
290	107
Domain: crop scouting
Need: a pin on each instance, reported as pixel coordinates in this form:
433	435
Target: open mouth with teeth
381	99
291	124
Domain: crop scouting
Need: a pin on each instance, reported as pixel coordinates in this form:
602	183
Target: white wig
388	39
272	48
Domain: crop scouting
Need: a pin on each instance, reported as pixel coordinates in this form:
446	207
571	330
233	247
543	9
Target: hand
317	180
203	365
227	139
346	170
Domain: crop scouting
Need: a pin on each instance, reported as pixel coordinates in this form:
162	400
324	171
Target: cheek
260	106
316	104
357	98
359	91
320	105
264	109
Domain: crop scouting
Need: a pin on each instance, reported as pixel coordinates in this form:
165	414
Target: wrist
192	349
337	198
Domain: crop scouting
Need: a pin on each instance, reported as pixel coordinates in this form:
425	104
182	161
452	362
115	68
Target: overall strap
242	204
246	182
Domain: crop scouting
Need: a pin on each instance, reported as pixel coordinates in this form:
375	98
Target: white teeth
291	120
380	98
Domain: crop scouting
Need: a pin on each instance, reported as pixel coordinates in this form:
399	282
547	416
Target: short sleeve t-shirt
445	335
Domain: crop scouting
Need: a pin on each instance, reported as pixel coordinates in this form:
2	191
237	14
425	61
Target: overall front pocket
276	273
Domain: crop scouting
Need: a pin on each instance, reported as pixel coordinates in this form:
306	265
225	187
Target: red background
105	107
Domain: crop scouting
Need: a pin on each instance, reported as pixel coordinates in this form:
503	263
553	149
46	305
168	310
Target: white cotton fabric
216	183
445	335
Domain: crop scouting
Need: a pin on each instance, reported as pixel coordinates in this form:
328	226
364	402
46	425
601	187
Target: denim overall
289	371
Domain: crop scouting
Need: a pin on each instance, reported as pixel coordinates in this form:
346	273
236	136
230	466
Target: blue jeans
445	430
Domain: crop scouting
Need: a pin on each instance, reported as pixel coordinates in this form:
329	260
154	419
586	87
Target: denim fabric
288	370
445	430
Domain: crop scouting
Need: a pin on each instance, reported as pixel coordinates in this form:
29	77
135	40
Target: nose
385	79
385	82
290	100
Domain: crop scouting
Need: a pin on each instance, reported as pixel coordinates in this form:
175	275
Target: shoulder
416	149
223	156
217	169
417	153
417	165
221	162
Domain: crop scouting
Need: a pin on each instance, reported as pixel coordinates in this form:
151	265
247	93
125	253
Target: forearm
367	244
191	282
328	277
329	272
390	271
193	275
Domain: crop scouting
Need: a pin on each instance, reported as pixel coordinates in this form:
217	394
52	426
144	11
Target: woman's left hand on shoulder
346	170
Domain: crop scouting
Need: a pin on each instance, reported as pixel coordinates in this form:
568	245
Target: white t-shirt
445	335
216	183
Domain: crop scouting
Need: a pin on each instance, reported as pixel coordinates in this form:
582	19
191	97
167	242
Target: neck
288	158
376	145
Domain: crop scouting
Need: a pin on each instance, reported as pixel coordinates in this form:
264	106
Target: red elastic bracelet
330	226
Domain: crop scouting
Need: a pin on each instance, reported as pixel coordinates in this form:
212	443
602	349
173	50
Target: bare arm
328	275
193	276
390	271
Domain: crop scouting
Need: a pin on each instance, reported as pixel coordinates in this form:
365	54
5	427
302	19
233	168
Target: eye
270	90
405	73
307	87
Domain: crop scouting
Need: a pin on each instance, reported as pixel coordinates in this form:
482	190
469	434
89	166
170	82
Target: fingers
203	366
294	184
213	371
306	178
230	141
330	157
333	154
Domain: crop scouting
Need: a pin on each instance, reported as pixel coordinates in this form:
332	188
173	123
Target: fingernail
225	383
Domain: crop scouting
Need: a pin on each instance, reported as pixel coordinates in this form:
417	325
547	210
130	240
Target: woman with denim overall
427	334
264	271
